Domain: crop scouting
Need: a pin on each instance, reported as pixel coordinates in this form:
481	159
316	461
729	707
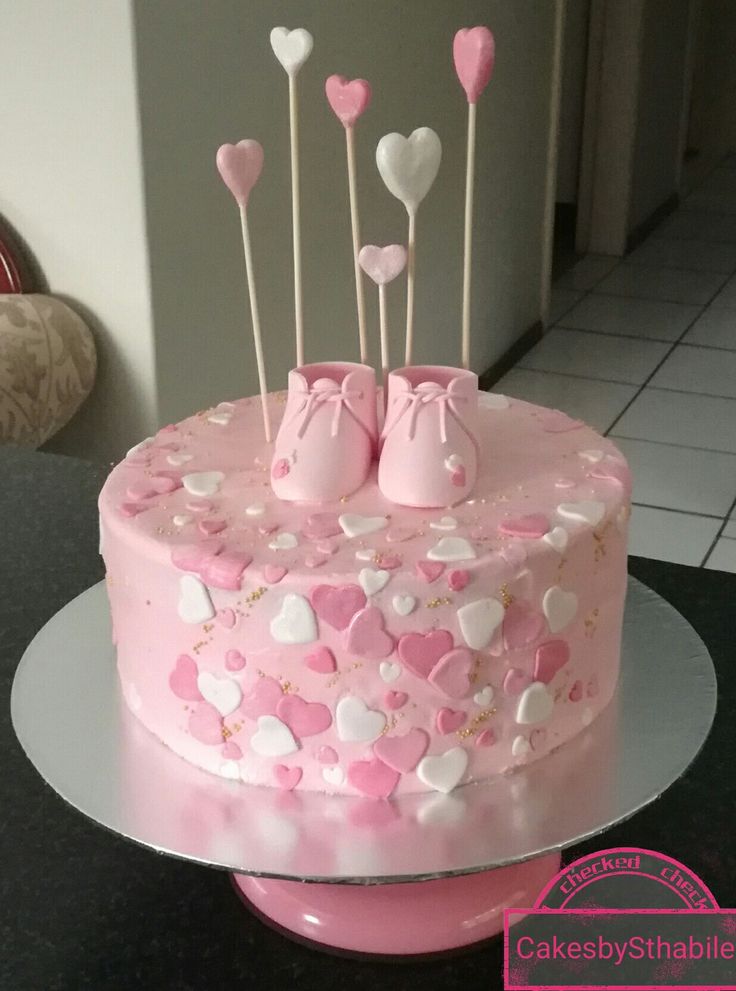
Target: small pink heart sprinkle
273	573
474	54
449	720
389	562
550	658
130	509
199	506
530	527
234	660
183	679
349	99
321	525
395	700
287	777
226	618
231	751
457	579
139	491
576	692
326	547
486	738
429	571
240	166
326	755
382	264
163	484
211	526
321	660
280	469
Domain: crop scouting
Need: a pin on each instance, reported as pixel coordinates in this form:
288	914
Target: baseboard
642	231
511	357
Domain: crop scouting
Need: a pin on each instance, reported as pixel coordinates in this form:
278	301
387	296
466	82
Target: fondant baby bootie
328	436
429	456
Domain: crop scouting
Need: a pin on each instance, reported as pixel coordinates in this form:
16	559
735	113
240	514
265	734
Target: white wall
71	185
207	74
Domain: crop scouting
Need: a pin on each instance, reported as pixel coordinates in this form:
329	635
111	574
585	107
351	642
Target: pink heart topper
349	98
382	264
240	167
474	52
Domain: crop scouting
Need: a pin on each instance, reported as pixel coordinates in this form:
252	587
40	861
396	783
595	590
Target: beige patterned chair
47	367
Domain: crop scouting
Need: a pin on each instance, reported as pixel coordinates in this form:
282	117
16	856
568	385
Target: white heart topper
535	704
295	621
291	48
478	621
443	773
559	607
355	721
451	549
273	738
403	604
587	511
409	166
202	483
354	525
223	693
372	581
195	604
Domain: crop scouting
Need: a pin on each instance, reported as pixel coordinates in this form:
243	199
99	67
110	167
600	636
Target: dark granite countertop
83	909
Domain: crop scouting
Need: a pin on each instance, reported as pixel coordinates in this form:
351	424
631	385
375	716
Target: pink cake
358	646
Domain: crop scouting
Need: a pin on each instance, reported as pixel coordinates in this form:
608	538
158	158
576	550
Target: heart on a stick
382	264
291	48
349	98
409	166
240	167
474	53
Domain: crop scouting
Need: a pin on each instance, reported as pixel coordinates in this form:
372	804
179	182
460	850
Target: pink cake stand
418	875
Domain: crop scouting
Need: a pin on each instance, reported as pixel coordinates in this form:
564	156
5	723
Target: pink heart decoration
367	636
303	718
190	557
321	660
449	720
315	560
429	571
281	468
515	681
199	506
211	526
349	99
474	53
549	659
576	692
395	700
382	264
205	724
457	579
225	570
130	509
402	753
139	491
262	699
458	476
231	751
451	675
166	482
389	562
486	738
273	573
183	679
522	625
234	660
287	777
528	527
240	166
373	777
326	755
337	604
421	651
321	525
226	618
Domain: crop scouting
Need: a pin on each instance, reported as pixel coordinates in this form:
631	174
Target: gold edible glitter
436	603
506	597
255	595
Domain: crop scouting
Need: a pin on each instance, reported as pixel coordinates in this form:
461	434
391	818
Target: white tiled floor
645	350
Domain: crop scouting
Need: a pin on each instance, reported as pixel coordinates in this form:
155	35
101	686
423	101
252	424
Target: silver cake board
76	729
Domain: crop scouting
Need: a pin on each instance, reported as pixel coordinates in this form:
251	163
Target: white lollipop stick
474	54
292	49
408	167
383	265
240	166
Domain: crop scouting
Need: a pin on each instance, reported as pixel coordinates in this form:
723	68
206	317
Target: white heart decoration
559	607
223	693
355	721
255	509
452	549
295	621
382	264
493	400
593	456
365	554
283	542
291	48
479	620
484	697
444	523
202	483
181	519
453	461
443	772
354	525
587	511
403	604
520	747
221	419
333	776
372	580
389	671
273	738
177	460
557	538
535	704
409	166
230	769
195	604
